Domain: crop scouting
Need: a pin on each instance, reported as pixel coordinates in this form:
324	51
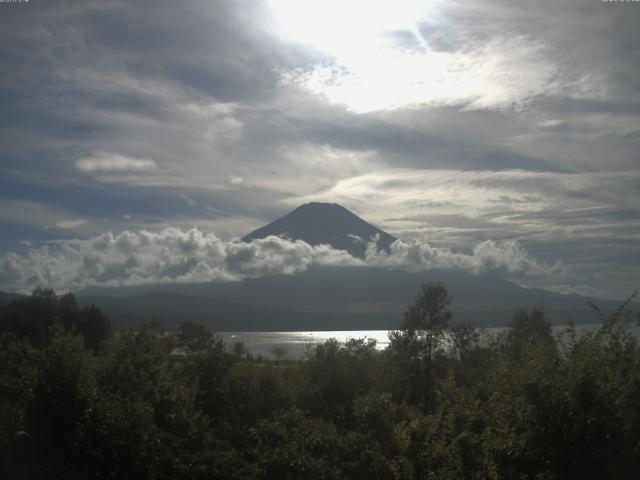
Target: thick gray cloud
145	115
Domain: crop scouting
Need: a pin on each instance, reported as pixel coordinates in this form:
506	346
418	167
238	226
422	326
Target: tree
464	338
279	352
35	317
528	328
194	336
59	397
239	349
18	379
94	327
334	374
421	336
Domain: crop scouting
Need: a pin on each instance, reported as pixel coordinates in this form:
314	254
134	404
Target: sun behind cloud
381	60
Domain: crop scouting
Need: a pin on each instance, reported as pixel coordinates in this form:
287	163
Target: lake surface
296	344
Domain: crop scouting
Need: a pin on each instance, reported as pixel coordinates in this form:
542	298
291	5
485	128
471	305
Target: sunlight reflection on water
296	344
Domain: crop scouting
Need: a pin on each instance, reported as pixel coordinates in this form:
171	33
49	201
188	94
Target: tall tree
421	336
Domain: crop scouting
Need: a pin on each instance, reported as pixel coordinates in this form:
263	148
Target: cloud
582	290
508	257
459	207
486	76
171	255
187	256
20	212
515	123
70	224
590	220
109	162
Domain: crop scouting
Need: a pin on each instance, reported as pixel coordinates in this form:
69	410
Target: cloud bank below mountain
189	256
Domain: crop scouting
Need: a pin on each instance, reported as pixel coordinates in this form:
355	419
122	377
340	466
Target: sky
140	139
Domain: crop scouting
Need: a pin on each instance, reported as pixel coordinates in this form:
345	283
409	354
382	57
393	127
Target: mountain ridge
351	298
326	224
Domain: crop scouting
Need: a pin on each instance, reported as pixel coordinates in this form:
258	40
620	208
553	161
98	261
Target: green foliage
279	352
114	438
239	349
528	329
572	414
258	390
380	447
211	369
194	336
464	340
18	380
34	318
334	374
419	340
93	326
429	314
295	446
59	397
438	403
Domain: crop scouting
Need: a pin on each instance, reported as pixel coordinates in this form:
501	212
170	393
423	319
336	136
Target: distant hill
325	223
173	308
336	299
6	297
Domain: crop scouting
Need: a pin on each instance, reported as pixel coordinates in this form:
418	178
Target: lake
295	344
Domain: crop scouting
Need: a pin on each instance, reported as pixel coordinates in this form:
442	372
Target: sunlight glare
378	59
347	29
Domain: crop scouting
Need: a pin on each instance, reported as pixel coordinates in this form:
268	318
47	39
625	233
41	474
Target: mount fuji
328	224
331	298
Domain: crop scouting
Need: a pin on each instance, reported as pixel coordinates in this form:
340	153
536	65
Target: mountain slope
325	223
173	308
6	297
345	298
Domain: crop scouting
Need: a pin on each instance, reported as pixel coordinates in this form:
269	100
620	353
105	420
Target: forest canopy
79	400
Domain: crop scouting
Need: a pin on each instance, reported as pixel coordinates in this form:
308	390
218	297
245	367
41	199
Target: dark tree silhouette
421	336
34	318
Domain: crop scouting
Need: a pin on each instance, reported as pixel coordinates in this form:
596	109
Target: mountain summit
325	223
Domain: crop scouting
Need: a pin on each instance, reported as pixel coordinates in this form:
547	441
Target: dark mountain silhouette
6	297
325	223
171	309
341	298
